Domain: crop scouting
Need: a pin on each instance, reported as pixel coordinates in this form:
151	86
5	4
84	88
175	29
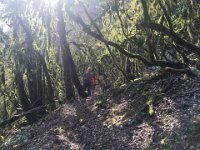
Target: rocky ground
154	114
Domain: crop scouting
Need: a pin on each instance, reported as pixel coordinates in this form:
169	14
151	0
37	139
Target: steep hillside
158	113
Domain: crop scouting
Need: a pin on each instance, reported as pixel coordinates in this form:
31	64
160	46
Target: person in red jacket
93	82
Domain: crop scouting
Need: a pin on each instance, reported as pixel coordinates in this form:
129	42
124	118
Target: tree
68	63
150	36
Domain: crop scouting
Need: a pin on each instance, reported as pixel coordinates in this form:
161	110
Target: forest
145	55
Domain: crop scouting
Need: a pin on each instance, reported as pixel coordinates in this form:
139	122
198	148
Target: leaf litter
121	120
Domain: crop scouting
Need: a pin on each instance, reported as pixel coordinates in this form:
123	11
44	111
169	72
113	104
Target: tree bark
50	94
76	80
3	80
23	97
65	53
34	79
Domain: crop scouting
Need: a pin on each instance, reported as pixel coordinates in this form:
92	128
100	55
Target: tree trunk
129	71
40	92
50	94
67	57
23	97
32	82
3	79
65	54
34	77
76	80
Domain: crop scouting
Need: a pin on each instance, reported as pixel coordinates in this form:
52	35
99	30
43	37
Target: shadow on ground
174	124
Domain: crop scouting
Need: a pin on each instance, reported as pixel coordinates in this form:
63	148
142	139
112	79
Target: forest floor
153	114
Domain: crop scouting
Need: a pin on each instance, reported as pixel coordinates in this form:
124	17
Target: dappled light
99	74
169	121
143	136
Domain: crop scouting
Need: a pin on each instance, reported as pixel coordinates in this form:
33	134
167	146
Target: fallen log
16	117
187	71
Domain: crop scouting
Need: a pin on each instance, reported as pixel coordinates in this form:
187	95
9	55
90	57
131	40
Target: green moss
150	104
98	105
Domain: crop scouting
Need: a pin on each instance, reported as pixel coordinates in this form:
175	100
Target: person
87	78
93	82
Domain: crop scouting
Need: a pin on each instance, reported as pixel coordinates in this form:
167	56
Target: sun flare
51	3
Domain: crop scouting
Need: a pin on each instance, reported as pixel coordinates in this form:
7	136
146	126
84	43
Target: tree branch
160	63
166	15
78	20
173	36
145	11
107	46
16	117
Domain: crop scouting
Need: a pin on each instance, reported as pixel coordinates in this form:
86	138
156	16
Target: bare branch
173	36
78	20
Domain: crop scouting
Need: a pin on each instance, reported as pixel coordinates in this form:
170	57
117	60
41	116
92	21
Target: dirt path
75	126
78	126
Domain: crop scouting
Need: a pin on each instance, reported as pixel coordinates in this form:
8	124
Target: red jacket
93	82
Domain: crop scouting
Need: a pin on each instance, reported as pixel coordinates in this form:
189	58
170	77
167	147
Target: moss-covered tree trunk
65	54
70	74
26	105
50	90
34	76
5	113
